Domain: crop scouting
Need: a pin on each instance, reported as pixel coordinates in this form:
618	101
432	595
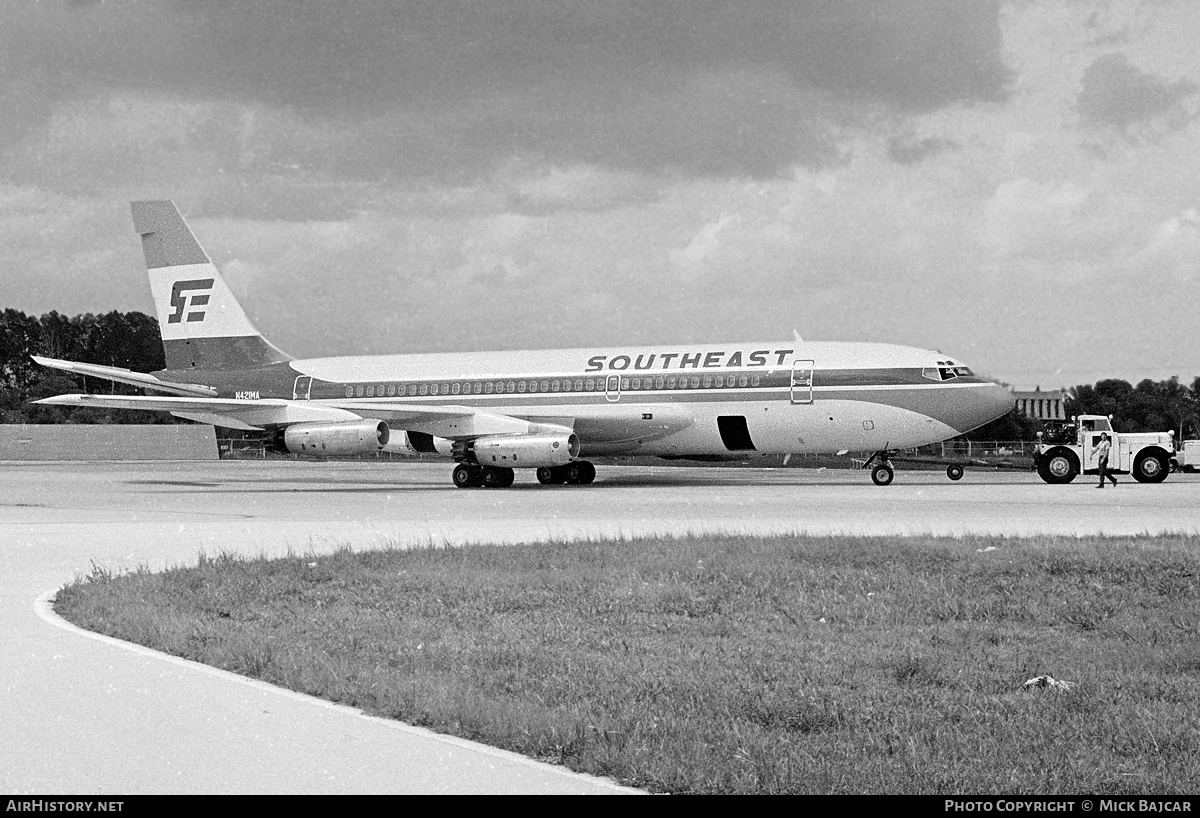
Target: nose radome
995	402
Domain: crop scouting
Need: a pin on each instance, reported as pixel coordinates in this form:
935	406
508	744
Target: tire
882	475
572	472
1058	466
465	477
547	476
954	472
493	478
587	473
1150	466
508	477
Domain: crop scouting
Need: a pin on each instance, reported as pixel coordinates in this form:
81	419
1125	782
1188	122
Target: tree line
131	340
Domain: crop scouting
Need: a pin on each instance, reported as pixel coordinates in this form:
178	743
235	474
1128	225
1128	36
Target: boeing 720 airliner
493	412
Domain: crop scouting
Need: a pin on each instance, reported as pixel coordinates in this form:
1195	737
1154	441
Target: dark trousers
1104	472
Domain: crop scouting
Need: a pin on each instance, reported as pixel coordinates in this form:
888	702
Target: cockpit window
946	371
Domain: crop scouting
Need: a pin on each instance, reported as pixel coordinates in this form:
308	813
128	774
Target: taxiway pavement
82	714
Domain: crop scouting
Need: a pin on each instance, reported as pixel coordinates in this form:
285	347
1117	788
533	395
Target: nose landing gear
883	473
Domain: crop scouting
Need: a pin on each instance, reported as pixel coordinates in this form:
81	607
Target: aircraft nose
993	401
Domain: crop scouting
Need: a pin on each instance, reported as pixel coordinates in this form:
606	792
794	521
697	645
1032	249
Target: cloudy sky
1014	183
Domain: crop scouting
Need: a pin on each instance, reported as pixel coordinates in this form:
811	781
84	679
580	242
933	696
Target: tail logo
188	303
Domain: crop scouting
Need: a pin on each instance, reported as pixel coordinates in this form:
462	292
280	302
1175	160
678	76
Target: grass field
736	664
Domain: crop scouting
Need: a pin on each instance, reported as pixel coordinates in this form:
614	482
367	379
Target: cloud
704	244
1173	252
910	151
1029	218
1116	94
704	87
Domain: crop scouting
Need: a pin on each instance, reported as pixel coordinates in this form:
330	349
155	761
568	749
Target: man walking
1102	447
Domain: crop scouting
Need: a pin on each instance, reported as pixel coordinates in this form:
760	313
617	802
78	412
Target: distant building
1041	405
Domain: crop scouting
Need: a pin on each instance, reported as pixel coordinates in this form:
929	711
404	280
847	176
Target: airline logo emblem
182	302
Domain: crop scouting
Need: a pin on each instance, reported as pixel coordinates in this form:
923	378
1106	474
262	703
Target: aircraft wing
116	373
607	424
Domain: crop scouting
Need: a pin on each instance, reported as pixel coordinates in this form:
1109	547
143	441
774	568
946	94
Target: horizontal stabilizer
229	412
116	373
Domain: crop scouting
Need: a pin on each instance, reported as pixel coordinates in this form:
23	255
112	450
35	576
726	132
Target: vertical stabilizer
202	324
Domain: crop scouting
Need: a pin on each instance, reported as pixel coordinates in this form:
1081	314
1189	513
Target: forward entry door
802	381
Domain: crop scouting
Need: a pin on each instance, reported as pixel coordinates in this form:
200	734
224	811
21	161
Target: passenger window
412	389
579	384
743	381
456	388
695	382
349	391
545	386
520	386
555	386
424	389
359	391
755	380
512	386
658	382
708	382
590	385
391	390
637	383
671	382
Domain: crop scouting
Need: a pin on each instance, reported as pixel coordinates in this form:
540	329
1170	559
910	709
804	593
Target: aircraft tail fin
202	324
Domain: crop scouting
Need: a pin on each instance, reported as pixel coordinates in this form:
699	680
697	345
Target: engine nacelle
520	451
330	439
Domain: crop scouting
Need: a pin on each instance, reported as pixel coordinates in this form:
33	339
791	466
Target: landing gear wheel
549	475
587	473
497	478
954	472
882	474
573	473
1150	467
466	477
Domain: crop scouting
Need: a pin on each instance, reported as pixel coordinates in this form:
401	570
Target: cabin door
302	388
802	381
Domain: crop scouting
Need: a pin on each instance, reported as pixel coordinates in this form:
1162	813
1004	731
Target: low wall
107	442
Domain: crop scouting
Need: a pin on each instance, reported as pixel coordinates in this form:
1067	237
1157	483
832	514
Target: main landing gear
576	473
472	476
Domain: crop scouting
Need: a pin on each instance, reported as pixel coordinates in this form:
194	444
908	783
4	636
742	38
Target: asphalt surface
87	715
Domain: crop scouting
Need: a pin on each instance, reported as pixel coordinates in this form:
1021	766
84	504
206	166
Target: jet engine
329	439
519	451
